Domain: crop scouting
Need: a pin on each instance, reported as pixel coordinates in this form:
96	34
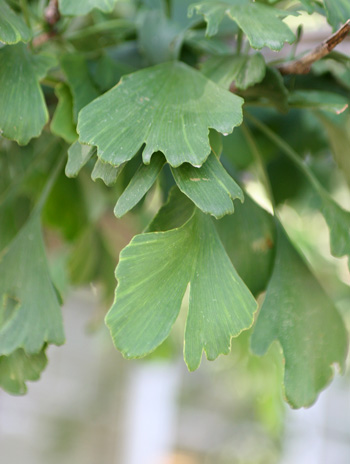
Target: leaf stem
239	41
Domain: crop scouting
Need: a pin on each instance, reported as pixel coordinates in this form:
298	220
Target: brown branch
52	16
303	65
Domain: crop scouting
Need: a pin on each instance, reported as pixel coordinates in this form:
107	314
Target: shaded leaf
338	12
243	70
62	123
168	107
30	314
153	273
82	7
19	367
210	187
248	236
106	172
79	80
12	27
78	156
318	100
262	24
139	185
23	109
300	315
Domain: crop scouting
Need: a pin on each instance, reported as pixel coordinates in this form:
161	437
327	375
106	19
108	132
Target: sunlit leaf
298	313
23	109
12	27
153	273
242	70
82	7
168	107
30	312
262	24
19	367
210	187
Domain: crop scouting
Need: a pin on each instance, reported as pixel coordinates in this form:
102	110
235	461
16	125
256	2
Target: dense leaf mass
142	102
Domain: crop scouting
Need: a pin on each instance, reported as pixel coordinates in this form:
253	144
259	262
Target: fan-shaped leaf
12	27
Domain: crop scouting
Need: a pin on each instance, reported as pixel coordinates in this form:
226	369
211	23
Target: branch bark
303	65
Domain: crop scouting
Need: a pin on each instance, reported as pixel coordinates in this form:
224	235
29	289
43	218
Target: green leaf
338	12
12	27
210	187
261	23
30	314
139	185
79	80
153	273
82	7
62	123
19	367
23	109
300	315
168	107
106	172
78	156
248	236
243	70
318	100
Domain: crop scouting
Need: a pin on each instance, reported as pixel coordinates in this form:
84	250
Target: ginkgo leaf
62	123
243	70
153	273
139	185
106	172
19	367
248	236
169	108
79	80
23	109
338	12
78	156
30	312
82	7
210	187
262	24
12	27
300	315
318	100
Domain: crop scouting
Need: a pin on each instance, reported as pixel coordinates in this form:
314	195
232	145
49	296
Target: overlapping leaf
30	312
153	273
262	24
210	187
12	27
82	7
62	123
298	313
106	172
23	109
78	156
19	367
243	70
338	12
168	107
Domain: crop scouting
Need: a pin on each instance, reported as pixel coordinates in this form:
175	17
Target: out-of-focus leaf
82	7
106	172
248	236
30	312
19	367
243	70
338	12
270	90
318	100
78	156
153	273
23	109
62	123
262	24
168	107
139	185
79	80
210	187
12	27
300	315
